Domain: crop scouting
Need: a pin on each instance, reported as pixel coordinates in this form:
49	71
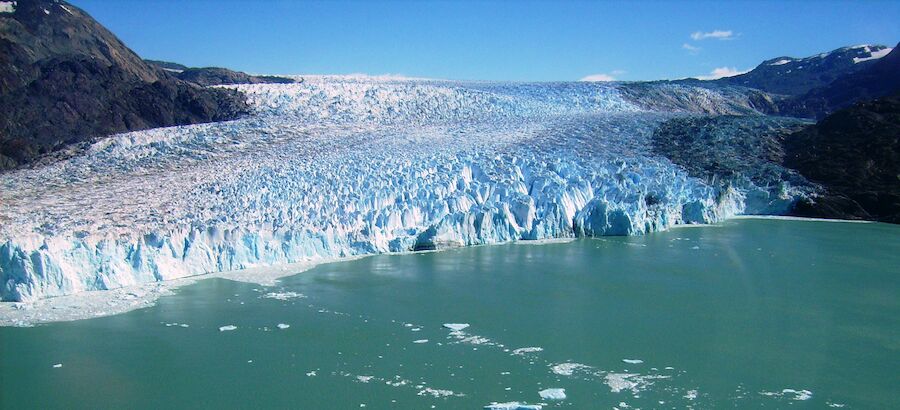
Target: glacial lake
746	314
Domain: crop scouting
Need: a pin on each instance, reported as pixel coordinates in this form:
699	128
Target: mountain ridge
65	79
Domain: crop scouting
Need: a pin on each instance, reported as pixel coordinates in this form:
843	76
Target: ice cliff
340	166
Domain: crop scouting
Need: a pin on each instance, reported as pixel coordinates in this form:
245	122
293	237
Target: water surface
751	313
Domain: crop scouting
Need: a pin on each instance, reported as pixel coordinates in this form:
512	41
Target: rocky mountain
65	79
878	79
796	76
207	76
855	154
168	65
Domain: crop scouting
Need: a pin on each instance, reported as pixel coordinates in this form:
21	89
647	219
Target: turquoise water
721	316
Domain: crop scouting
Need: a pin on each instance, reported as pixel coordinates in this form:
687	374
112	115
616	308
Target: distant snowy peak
796	76
854	54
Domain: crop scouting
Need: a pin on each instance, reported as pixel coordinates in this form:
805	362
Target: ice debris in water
620	381
335	167
227	328
57	366
567	369
633	361
524	350
420	341
456	326
283	326
792	394
553	394
284	295
512	405
428	391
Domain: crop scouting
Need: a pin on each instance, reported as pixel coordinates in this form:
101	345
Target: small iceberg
567	369
513	405
523	350
456	327
420	341
553	394
633	361
227	328
57	366
284	295
283	326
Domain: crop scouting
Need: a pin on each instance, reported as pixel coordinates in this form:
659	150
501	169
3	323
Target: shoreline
801	218
102	303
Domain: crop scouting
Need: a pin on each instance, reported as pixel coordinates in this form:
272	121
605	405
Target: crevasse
339	166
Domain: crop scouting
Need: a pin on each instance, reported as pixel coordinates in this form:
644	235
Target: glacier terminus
338	166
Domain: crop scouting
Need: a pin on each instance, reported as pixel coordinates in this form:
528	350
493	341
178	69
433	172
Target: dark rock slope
855	154
65	79
218	76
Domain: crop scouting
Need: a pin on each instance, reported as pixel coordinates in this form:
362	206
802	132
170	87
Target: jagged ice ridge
342	166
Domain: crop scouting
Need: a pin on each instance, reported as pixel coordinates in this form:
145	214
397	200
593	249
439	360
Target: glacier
339	166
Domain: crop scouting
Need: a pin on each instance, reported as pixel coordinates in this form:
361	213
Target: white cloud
721	72
717	34
602	77
691	49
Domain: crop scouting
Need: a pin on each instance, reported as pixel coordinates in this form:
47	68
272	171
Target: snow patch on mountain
873	55
7	7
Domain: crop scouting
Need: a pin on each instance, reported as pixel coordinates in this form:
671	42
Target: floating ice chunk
456	326
475	340
284	295
227	328
523	350
553	394
57	366
512	405
633	361
567	369
691	395
420	341
620	381
364	379
311	373
283	326
428	391
799	395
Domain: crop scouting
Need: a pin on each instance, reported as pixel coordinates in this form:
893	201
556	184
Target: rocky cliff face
65	79
855	154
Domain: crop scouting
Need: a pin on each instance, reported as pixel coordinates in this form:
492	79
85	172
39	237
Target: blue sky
500	40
